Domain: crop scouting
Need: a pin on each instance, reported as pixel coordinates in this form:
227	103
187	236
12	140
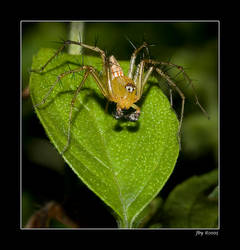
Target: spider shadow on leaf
53	99
102	102
122	123
128	125
90	94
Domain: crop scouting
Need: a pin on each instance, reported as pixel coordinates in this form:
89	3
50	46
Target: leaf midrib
142	189
110	168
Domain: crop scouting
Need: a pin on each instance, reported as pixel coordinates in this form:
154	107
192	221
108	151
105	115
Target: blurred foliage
28	206
188	205
193	45
191	204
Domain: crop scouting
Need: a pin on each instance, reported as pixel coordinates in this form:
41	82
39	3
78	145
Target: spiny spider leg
136	73
185	76
133	58
147	75
105	63
71	108
92	71
49	60
55	83
172	84
138	78
67	42
96	49
89	70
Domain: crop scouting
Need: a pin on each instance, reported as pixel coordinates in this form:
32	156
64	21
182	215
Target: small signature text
206	233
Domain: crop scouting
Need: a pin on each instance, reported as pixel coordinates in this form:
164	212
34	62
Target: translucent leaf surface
125	163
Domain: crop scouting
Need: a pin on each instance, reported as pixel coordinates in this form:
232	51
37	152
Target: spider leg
55	83
135	115
133	58
136	74
139	80
172	84
96	49
145	79
49	60
92	71
105	63
188	79
89	70
93	48
71	109
142	81
68	42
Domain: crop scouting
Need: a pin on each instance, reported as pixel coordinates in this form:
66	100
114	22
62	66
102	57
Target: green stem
76	34
123	223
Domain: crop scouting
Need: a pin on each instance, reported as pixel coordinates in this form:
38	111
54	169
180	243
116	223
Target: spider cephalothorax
124	90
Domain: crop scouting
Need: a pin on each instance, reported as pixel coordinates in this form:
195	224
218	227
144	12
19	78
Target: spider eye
130	88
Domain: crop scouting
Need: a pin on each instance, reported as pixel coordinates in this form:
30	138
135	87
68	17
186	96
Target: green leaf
125	163
189	206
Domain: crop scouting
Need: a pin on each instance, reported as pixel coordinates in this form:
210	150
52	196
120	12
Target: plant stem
76	34
122	223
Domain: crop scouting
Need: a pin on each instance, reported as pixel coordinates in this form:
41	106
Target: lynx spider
125	91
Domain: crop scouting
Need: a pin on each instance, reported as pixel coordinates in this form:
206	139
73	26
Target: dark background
193	45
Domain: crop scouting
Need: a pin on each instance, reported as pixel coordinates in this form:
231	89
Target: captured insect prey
124	90
125	114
